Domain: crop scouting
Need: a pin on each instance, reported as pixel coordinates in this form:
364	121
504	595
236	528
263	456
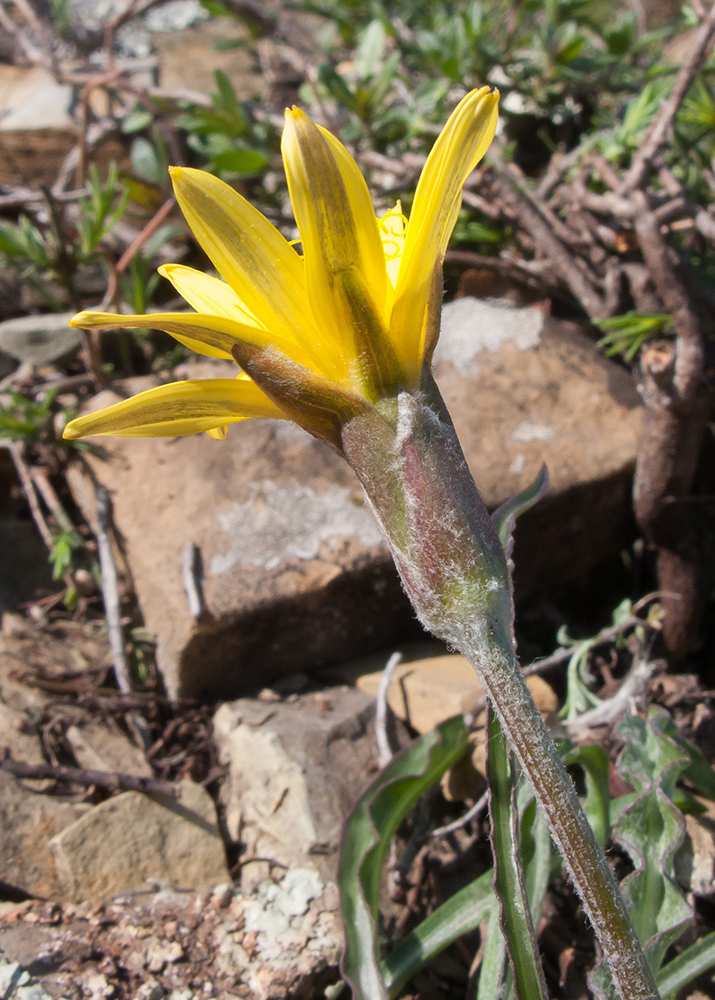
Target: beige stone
101	746
130	838
427	691
183	58
296	575
28	819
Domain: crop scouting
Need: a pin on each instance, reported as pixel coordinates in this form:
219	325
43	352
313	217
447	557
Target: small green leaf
240	161
371	49
137	121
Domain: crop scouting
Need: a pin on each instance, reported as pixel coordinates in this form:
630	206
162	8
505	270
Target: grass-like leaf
461	913
366	838
515	918
692	962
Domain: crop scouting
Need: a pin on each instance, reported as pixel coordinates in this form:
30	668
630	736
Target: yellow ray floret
358	311
178	408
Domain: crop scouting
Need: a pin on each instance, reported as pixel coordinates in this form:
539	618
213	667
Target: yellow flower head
319	336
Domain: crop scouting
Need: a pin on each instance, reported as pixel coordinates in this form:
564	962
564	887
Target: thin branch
612	709
25	477
661	128
479	806
114	781
382	711
605	635
110	592
690	354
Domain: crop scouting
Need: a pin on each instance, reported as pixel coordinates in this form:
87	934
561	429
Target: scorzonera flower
318	337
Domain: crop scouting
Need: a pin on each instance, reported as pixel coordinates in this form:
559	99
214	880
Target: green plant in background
24	419
100	211
228	139
55	250
628	333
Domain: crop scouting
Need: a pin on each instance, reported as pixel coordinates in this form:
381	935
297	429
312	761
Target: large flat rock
296	575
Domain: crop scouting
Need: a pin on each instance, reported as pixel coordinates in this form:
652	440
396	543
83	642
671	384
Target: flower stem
415	477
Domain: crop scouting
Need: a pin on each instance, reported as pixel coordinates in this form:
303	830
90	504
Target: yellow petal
178	408
344	261
213	336
247	250
458	149
205	293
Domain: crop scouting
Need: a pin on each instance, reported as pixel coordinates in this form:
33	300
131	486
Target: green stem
453	568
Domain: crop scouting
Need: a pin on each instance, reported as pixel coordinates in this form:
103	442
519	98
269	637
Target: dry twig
82	776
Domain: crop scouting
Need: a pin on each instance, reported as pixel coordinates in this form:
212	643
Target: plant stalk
410	464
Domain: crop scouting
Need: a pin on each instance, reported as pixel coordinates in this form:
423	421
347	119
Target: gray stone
31	992
296	575
31	98
39	340
294	770
130	838
10	972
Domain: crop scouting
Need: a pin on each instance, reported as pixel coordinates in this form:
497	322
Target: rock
32	99
294	770
292	943
101	746
426	691
28	820
37	130
294	568
39	340
296	574
694	863
183	62
130	838
525	389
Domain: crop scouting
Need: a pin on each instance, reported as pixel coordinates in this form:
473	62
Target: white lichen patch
278	523
470	326
526	431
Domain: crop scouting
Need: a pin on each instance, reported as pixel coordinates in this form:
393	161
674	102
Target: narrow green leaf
504	517
594	762
492	970
534	851
371	49
515	919
461	913
366	838
696	959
